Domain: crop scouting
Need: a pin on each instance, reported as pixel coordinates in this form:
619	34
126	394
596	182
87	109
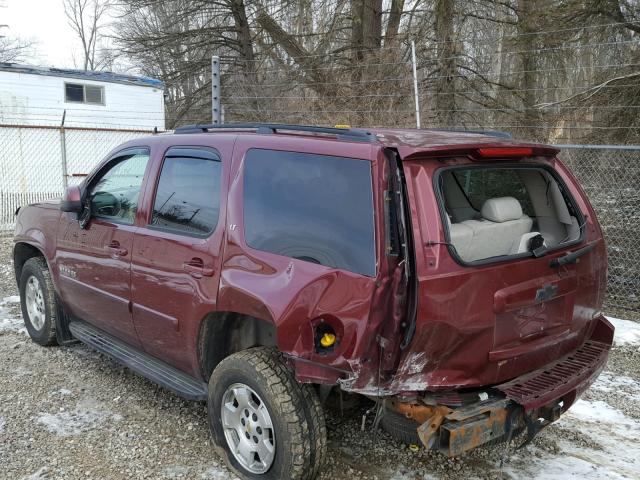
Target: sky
43	21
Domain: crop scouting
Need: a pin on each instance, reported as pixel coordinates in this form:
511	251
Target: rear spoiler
480	152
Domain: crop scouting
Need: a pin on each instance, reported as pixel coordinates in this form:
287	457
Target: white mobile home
39	96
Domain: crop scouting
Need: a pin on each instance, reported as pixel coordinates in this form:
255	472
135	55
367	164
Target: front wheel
38	301
269	425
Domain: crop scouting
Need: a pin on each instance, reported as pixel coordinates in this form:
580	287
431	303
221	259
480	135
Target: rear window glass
494	212
315	208
483	183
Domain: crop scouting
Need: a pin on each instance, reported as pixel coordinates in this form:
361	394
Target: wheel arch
23	251
224	333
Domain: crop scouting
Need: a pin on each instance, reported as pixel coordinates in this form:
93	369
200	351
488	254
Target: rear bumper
566	378
529	402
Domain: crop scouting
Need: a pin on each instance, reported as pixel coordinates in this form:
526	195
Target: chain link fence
37	161
610	175
33	159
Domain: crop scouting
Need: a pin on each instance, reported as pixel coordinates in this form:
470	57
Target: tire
294	425
38	302
400	427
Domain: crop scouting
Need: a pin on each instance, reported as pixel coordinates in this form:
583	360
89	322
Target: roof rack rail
269	128
489	133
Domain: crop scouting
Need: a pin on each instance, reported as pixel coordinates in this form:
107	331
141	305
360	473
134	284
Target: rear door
176	256
488	320
94	262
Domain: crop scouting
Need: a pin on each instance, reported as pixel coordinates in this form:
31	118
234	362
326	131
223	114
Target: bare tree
86	17
14	49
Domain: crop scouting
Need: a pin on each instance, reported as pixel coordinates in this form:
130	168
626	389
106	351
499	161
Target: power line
457	40
364	66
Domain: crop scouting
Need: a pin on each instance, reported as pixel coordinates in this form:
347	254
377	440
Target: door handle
115	250
195	267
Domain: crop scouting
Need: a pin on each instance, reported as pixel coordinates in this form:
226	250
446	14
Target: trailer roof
108	77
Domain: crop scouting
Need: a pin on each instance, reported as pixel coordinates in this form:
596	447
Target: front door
175	264
94	263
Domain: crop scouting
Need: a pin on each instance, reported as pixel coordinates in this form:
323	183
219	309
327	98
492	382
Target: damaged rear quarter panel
294	294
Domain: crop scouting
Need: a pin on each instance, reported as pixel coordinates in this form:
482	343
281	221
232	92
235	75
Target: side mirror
72	200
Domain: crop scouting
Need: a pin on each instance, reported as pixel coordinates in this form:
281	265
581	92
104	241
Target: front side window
81	93
188	194
315	208
115	194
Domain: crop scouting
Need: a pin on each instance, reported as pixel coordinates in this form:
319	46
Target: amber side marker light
505	152
327	340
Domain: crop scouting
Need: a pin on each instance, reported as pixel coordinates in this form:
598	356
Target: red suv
455	278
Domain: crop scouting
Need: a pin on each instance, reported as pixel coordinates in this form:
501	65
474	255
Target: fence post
415	82
63	151
215	90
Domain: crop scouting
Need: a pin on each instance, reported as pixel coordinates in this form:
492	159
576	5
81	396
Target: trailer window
81	93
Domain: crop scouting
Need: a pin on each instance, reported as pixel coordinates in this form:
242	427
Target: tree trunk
366	32
445	102
239	12
527	21
393	24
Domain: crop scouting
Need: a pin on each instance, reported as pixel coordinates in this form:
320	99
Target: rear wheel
38	302
268	424
400	427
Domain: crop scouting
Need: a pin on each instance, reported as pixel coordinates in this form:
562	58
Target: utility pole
63	152
216	116
415	82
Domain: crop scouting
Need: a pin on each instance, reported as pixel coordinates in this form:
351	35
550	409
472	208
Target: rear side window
315	208
188	194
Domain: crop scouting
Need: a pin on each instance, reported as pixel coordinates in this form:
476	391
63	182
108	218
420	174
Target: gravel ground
71	413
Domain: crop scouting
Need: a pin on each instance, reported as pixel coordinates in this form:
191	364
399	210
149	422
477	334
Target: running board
142	363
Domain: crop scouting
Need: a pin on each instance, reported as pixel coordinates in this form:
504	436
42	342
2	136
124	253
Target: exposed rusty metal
427	431
458	430
460	436
417	412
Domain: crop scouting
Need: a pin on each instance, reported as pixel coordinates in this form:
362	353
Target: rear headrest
501	209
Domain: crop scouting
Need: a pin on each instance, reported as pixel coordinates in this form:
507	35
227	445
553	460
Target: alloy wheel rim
35	303
248	428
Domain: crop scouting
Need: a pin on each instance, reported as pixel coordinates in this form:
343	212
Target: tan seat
461	238
500	231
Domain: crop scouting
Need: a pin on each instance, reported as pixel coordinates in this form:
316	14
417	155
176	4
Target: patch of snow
404	474
614	432
212	473
176	471
215	473
41	474
66	424
620	384
627	331
7	321
8	324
